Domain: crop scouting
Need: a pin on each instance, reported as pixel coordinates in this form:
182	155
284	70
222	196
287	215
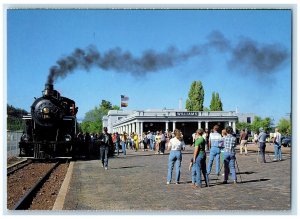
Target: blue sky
37	39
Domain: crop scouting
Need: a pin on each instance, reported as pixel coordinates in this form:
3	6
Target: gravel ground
22	180
46	197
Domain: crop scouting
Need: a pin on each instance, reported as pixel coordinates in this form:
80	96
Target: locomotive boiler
51	126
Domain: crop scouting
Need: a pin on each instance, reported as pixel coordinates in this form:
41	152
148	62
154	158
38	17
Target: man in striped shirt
229	155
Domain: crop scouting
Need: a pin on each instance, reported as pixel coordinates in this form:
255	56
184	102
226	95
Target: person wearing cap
105	142
262	143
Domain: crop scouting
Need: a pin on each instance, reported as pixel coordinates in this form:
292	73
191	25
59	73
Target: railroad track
25	202
25	180
17	166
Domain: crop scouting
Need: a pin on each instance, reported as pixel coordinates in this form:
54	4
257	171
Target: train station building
140	121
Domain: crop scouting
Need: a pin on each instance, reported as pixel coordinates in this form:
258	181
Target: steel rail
18	166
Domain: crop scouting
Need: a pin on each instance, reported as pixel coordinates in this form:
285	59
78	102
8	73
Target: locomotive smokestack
48	89
48	86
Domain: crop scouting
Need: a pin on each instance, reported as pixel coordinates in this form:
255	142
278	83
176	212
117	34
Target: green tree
92	121
213	101
195	97
14	118
243	125
216	103
284	126
219	102
258	122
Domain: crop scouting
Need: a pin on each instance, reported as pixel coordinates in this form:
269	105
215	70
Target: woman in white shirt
175	156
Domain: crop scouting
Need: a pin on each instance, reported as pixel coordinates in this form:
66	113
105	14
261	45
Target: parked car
286	141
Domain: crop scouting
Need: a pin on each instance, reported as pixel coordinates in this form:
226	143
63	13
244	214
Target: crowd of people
152	141
106	144
156	141
221	147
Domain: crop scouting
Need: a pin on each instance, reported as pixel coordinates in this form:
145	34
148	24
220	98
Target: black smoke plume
266	58
120	61
247	53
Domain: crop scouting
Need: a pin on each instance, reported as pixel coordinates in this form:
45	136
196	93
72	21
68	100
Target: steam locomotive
51	127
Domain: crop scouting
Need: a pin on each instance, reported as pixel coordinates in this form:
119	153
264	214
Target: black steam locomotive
51	127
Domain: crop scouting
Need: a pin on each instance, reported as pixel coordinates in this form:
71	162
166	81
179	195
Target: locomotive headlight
68	137
46	110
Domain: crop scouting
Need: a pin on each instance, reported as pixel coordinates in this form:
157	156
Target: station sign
190	114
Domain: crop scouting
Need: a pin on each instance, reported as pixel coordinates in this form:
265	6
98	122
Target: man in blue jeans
123	143
277	145
199	158
105	143
215	144
262	144
117	142
229	155
175	157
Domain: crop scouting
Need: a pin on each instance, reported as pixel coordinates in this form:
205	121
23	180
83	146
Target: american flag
124	98
123	101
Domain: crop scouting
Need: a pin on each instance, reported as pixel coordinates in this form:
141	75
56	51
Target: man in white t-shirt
277	145
215	144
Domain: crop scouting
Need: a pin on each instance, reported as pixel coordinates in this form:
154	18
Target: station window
248	119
